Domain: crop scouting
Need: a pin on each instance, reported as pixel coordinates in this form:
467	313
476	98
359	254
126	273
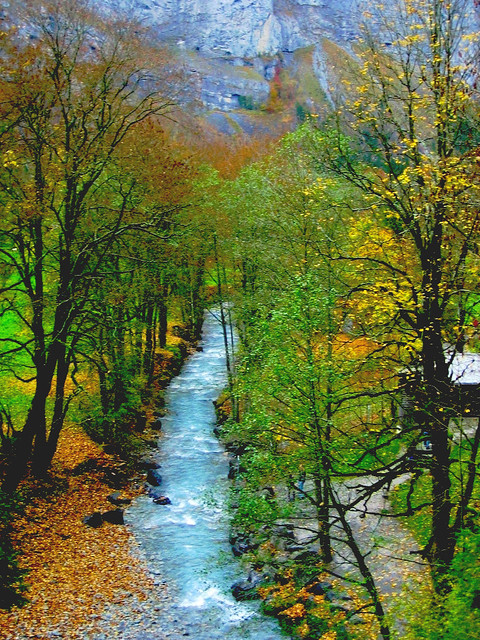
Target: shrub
12	586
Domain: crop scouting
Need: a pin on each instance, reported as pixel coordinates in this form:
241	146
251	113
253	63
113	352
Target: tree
303	381
411	122
72	97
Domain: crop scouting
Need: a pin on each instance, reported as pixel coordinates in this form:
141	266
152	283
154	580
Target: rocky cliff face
234	49
248	28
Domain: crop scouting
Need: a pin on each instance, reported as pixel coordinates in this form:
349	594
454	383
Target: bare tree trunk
361	563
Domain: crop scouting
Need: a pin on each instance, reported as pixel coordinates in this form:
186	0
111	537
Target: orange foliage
230	154
74	571
353	348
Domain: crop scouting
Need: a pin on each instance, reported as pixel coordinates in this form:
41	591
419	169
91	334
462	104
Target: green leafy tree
303	380
72	98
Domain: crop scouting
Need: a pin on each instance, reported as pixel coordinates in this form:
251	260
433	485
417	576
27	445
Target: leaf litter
76	572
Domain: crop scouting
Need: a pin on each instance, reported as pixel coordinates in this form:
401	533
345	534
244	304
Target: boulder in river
308	557
244	590
114	517
163	500
284	530
153	492
233	468
318	587
154	478
242	543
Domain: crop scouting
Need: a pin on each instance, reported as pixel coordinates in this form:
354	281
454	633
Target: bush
300	612
246	102
11	576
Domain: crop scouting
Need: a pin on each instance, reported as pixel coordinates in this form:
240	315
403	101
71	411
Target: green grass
419	523
309	85
14	394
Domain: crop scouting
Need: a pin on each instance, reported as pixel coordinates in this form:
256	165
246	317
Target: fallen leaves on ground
74	571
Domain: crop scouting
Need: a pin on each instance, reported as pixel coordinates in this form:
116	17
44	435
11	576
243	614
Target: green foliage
11	577
457	615
409	495
246	102
341	288
462	605
253	509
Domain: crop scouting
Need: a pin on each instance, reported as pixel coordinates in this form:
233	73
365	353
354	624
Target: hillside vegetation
346	254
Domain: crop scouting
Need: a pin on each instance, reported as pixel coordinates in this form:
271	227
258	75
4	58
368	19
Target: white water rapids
187	542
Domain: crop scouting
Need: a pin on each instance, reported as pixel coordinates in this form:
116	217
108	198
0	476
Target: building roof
464	368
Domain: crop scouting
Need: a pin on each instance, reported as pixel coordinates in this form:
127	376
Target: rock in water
154	492
154	478
114	517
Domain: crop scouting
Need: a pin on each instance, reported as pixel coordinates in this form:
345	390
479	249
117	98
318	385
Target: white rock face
247	28
254	35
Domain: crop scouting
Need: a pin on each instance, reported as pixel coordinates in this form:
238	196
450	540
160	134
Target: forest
345	252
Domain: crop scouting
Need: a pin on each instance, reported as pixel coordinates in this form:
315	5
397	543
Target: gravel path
385	541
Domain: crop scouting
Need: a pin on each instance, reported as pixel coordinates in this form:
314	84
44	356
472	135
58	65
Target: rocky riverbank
86	578
279	551
283	566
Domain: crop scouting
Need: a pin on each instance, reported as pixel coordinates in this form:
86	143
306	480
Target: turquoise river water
187	542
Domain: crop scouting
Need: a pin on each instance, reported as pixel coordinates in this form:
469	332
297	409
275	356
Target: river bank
74	572
85	582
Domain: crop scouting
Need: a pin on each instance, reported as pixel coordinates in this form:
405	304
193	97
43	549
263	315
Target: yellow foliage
295	612
9	159
329	635
303	630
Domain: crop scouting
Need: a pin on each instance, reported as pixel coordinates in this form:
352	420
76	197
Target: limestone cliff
247	28
235	50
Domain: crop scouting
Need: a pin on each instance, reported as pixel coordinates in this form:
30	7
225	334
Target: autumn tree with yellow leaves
408	141
75	89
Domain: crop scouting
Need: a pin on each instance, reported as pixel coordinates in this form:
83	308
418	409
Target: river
187	542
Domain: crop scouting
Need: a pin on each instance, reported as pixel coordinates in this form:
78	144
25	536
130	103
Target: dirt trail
384	540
